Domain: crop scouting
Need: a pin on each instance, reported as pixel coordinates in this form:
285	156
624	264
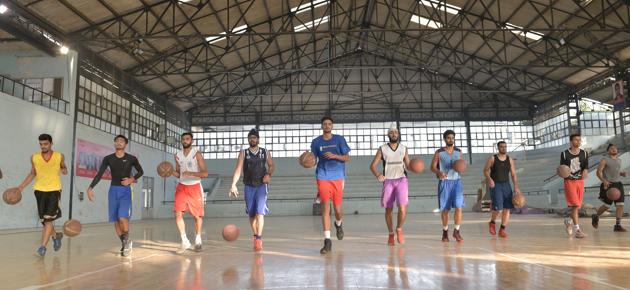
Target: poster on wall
89	158
619	101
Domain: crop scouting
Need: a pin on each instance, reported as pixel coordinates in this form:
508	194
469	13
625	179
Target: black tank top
500	171
254	167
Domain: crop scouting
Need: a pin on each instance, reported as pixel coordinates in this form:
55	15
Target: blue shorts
450	194
256	200
119	202
501	196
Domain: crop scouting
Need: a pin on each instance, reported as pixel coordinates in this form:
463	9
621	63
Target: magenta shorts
395	190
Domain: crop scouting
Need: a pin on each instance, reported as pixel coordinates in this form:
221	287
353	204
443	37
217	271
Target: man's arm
176	172
486	171
64	168
99	174
374	164
600	172
513	173
237	173
29	178
434	166
270	168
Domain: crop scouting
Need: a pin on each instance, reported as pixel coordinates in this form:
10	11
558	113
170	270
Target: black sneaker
339	231
327	247
619	228
595	220
445	236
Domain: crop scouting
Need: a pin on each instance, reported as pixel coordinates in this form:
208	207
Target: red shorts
189	198
574	192
328	189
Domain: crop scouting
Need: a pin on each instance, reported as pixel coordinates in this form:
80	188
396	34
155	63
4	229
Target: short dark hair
45	137
574	135
327	118
448	132
123	137
501	142
187	133
610	145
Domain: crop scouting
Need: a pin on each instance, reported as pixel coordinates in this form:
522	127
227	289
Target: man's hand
606	184
441	175
380	178
266	178
330	155
623	173
233	191
64	171
127	180
90	193
491	183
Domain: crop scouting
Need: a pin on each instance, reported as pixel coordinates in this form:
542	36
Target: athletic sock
445	228
338	223
503	226
457	227
258	237
184	237
198	239
327	234
492	222
576	227
618	221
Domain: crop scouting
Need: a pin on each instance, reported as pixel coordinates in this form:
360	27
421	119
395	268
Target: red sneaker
445	236
390	240
400	236
492	228
457	236
257	245
502	233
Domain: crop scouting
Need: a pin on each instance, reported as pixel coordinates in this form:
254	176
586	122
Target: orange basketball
613	193
307	160
416	165
12	195
460	166
230	233
165	169
518	200
563	171
72	228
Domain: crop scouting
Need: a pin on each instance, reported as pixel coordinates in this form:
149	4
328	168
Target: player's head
612	149
576	140
327	124
120	142
45	142
187	139
449	138
502	146
252	138
393	134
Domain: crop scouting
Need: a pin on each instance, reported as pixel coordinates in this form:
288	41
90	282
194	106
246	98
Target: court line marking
86	274
585	276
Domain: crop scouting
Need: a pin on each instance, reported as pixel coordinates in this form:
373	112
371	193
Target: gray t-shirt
612	168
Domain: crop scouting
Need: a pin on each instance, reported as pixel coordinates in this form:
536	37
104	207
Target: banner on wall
618	96
89	158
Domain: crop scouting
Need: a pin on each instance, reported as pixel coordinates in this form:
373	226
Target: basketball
12	196
307	160
165	169
563	171
72	228
460	166
518	200
230	233
613	193
416	165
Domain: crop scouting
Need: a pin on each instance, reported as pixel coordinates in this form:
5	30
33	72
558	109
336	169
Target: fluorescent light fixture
307	6
518	30
425	21
217	38
310	24
3	8
64	49
442	6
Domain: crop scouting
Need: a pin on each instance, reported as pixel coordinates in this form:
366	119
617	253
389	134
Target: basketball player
331	152
609	172
190	168
577	160
120	192
450	188
497	171
46	168
257	167
394	178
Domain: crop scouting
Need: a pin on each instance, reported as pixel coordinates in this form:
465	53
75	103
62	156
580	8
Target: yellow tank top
47	173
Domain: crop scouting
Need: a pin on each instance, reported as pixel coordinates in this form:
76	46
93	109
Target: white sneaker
579	234
568	223
185	246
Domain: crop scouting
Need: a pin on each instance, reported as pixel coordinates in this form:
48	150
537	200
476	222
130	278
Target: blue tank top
446	162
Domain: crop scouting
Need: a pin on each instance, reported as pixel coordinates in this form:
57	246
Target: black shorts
604	198
48	205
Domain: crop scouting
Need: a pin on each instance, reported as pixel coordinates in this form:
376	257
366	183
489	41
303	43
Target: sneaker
57	241
390	240
339	231
198	247
595	221
492	228
128	248
568	223
457	236
41	251
619	228
502	233
185	246
258	245
445	236
327	247
401	236
579	234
